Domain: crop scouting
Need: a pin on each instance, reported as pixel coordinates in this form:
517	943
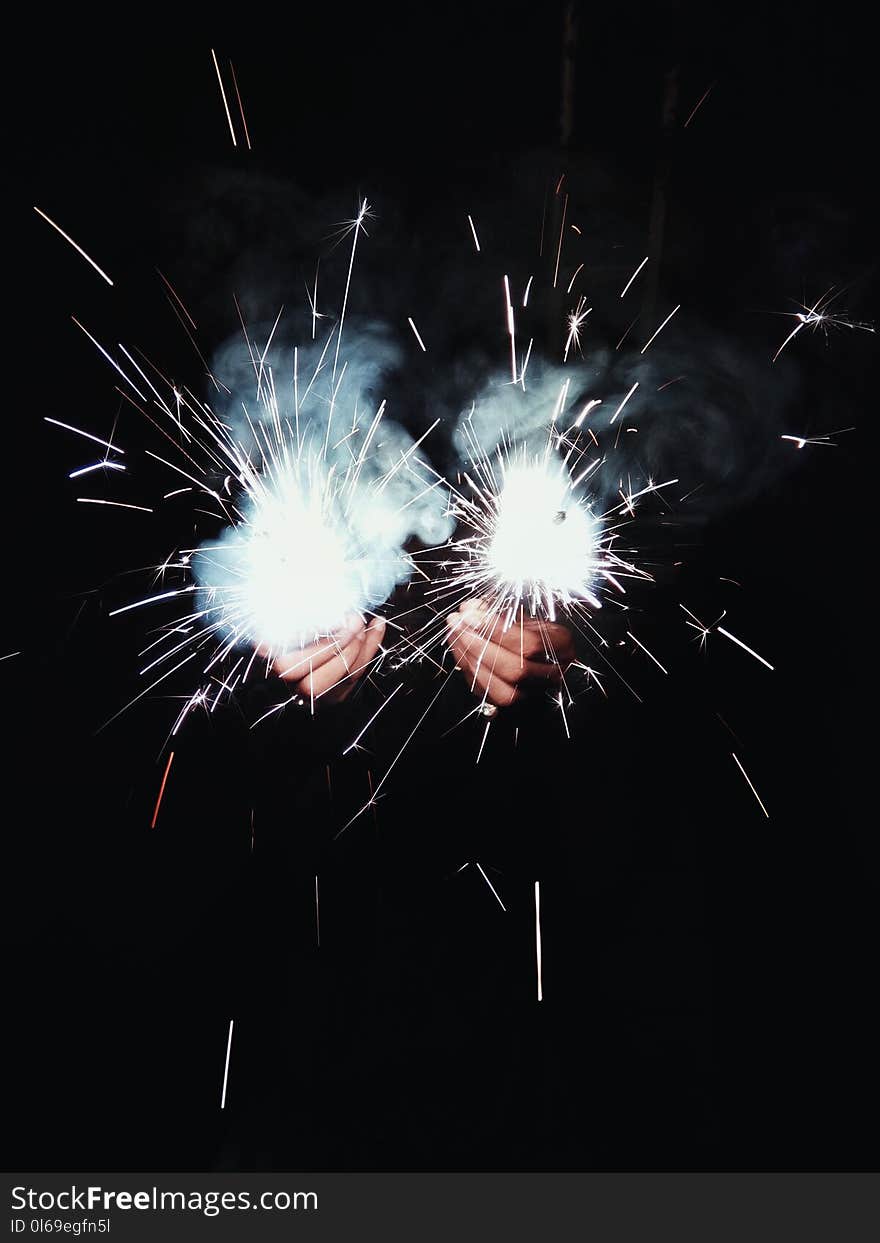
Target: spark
803	441
649	488
354	227
91	500
528	354
77	248
110	360
352	745
574	278
511	329
177	299
474	231
317	915
240	106
374	793
226	1068
647	653
817	316
485	736
313	301
166	595
588	409
161	791
223	96
266	351
703	631
538	966
525	300
417	335
625	400
79	432
625	289
751	787
561	235
745	648
660	329
576	320
698	104
687	496
561	706
628	331
491	886
102	465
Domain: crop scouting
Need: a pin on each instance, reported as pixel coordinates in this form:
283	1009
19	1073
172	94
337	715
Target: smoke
708	409
702	411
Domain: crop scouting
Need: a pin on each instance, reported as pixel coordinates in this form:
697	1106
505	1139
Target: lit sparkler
315	513
535	542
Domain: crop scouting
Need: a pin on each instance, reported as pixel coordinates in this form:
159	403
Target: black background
708	973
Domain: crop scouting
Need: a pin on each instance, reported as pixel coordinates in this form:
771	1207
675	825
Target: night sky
709	972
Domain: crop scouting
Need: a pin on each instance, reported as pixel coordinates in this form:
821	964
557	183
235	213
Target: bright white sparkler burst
535	542
312	549
543	545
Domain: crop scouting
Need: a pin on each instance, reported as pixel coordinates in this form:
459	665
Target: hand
330	669
503	665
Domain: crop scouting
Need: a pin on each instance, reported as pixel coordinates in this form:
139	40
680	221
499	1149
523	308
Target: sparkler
533	544
536	544
315	512
298	560
315	523
314	541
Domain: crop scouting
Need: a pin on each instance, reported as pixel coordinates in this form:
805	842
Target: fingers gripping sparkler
314	544
532	559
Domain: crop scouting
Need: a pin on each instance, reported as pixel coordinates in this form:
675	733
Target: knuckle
532	645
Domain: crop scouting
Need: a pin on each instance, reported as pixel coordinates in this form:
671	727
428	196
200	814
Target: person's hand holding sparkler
330	669
503	664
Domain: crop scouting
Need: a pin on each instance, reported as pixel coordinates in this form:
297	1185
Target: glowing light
474	231
226	1067
817	316
77	248
223	96
538	964
625	289
417	335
